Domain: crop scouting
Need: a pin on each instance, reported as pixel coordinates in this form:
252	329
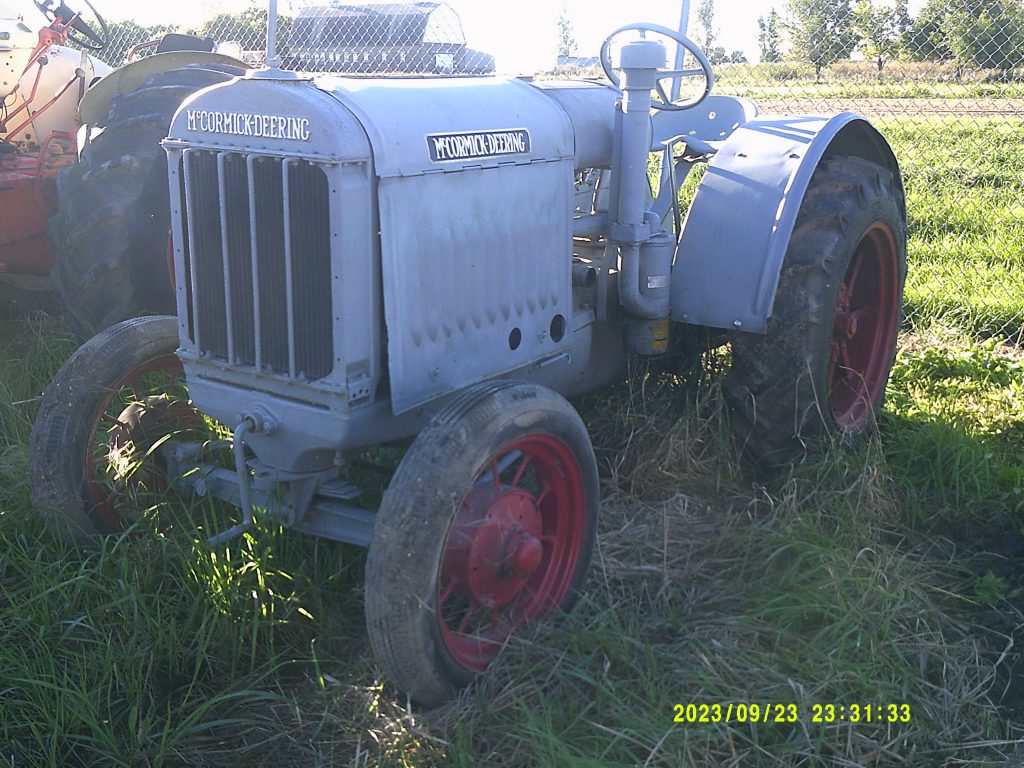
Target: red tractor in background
80	160
41	83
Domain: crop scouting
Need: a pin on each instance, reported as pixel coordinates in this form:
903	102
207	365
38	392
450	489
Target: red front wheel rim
513	550
864	327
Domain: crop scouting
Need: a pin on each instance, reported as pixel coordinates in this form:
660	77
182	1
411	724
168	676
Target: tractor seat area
175	41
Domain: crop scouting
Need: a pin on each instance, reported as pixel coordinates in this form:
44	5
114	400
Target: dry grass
711	583
710	587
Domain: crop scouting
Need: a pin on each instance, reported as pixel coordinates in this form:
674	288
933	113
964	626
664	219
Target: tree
987	34
738	57
566	39
769	37
926	39
248	28
821	31
125	35
882	30
706	19
717	55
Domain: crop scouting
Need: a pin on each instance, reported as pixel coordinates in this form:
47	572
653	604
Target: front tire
92	450
822	367
487	525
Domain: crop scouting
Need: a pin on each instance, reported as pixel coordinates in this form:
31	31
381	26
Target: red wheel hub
512	551
496	554
864	328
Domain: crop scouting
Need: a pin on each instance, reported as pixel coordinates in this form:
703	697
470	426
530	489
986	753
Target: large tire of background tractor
110	233
821	369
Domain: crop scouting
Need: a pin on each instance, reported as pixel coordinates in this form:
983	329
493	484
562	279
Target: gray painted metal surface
475	182
353	253
464	301
738	227
399	114
250	121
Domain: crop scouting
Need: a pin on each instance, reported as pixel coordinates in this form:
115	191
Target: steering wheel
80	32
703	70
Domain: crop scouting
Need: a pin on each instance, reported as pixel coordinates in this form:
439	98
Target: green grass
889	574
965	183
863	577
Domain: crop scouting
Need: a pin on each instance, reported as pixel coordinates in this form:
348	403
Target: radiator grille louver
257	261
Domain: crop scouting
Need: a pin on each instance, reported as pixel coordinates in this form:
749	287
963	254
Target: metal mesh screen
942	79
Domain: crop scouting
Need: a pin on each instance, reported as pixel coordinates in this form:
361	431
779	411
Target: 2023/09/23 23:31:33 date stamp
743	712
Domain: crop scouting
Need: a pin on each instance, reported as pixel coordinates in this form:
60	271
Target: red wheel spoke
467	617
543	493
843	299
522	469
845	371
844	358
495	475
862	313
447	593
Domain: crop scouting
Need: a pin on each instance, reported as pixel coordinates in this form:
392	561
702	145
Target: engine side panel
464	286
475	203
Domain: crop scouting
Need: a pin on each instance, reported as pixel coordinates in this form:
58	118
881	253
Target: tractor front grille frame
256	236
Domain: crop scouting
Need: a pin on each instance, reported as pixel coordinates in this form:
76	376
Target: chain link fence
942	79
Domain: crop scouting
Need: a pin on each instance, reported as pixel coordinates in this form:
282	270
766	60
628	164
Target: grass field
886	575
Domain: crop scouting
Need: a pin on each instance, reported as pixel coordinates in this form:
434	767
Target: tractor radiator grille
258	261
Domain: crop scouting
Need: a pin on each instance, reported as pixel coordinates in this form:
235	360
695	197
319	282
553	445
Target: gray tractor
441	262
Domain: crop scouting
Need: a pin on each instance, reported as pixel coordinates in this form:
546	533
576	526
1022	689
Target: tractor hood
419	125
282	117
413	125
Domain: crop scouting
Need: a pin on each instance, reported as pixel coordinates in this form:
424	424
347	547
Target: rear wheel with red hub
487	525
94	453
822	367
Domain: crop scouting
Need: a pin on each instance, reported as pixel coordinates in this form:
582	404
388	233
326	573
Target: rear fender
96	102
737	230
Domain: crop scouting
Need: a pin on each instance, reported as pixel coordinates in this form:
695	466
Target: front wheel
487	525
94	450
822	367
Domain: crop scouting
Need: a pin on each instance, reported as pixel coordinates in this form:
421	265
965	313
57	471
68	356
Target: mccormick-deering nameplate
473	144
247	124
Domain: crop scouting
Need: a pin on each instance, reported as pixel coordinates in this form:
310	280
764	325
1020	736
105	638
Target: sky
521	35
